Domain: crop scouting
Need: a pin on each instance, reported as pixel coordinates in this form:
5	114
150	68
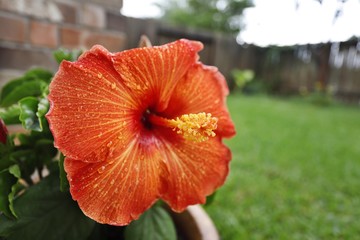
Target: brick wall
30	30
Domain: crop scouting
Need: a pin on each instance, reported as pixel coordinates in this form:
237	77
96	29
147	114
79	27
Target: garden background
296	158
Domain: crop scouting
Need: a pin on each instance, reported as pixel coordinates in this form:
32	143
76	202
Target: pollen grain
196	127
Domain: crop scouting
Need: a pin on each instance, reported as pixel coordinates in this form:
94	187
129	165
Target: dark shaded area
18	58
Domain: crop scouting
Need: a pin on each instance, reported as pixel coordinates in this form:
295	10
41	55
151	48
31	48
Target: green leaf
45	213
64	183
45	150
11	85
210	199
33	83
15	170
108	232
26	158
11	114
28	117
43	107
39	73
5	155
32	113
154	224
15	189
7	180
21	89
63	54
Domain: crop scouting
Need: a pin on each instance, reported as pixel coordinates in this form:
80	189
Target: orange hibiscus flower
140	125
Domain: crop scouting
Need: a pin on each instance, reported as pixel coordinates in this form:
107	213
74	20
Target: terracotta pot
195	224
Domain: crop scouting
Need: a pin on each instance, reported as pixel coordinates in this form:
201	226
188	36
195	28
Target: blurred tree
216	15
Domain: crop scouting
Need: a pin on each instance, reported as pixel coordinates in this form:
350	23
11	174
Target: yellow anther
195	127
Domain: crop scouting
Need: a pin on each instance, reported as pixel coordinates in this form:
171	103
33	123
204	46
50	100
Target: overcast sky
283	22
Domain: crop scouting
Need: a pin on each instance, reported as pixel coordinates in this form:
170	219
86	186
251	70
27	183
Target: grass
295	172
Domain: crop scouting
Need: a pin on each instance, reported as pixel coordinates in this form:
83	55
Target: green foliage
294	174
11	114
46	213
215	15
23	100
320	96
33	83
8	178
32	209
210	199
63	54
242	77
28	114
154	224
64	183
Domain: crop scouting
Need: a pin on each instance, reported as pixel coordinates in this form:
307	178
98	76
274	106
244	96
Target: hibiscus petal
203	89
160	164
117	192
152	73
90	113
192	170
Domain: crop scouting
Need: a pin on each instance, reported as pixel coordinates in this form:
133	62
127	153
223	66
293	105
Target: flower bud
3	132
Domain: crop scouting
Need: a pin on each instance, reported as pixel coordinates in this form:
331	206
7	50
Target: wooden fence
28	38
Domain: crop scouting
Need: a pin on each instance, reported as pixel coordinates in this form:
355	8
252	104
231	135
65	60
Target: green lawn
295	172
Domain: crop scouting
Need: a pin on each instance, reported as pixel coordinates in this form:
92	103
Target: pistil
194	127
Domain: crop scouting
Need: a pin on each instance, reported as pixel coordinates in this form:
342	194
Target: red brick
13	28
69	12
10	5
93	16
114	42
116	21
43	34
70	37
23	59
35	8
114	5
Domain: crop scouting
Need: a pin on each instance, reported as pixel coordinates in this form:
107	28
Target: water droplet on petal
101	169
99	75
111	151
